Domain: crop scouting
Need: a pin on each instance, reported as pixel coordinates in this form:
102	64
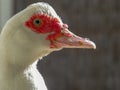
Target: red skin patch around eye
47	25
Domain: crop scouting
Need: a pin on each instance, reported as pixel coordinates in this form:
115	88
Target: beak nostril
65	26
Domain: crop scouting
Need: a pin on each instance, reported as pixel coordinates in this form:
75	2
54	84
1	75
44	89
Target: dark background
83	69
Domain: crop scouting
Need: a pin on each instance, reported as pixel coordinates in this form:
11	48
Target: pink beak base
69	40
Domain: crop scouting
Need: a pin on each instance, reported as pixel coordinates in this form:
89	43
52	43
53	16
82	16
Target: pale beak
69	40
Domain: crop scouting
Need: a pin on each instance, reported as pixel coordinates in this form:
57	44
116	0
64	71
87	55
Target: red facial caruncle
58	34
43	24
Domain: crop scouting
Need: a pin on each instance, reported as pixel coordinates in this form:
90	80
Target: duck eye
37	22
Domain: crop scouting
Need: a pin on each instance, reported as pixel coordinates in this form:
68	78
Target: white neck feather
19	72
18	67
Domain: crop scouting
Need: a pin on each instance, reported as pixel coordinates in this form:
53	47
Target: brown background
79	69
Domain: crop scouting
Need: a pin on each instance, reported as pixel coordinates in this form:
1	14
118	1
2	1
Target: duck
28	36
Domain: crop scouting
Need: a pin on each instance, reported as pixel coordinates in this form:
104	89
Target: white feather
19	50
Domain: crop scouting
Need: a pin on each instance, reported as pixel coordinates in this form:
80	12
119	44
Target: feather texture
21	45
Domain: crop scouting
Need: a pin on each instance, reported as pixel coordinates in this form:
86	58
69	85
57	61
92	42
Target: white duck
31	34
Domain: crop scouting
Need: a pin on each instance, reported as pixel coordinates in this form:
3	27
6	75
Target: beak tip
94	46
89	44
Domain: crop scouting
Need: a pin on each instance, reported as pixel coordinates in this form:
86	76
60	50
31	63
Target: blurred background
80	69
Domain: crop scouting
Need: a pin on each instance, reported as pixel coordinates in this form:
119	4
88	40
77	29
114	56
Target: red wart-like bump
43	23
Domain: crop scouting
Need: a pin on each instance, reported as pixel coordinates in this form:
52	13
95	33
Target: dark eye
37	22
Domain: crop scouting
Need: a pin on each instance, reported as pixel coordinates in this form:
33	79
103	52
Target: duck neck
17	60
